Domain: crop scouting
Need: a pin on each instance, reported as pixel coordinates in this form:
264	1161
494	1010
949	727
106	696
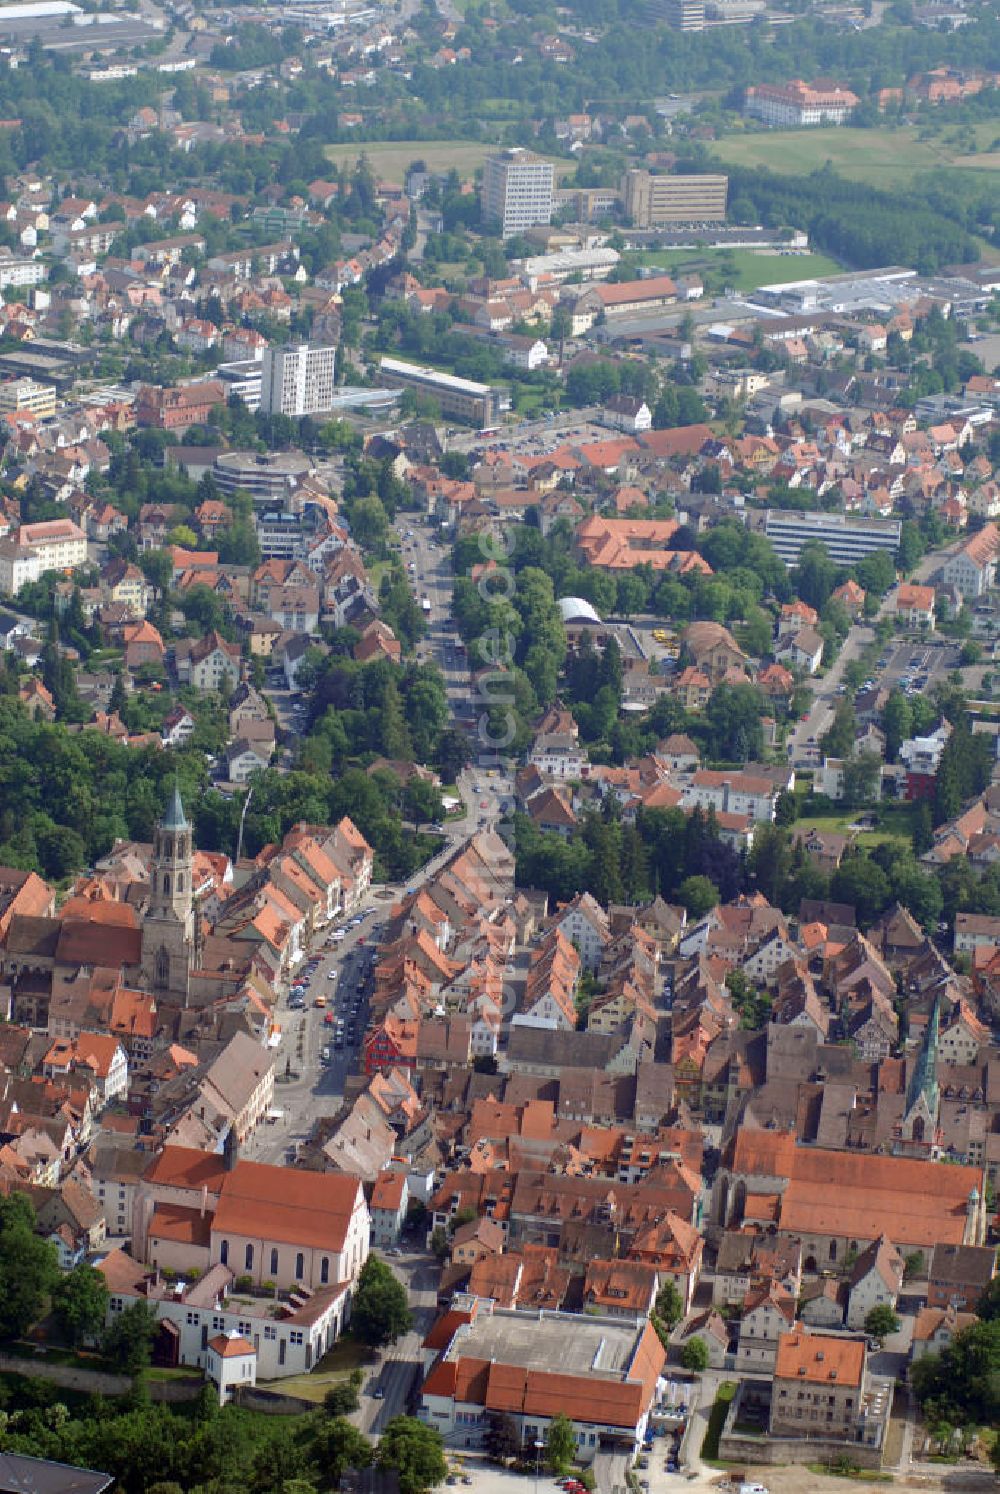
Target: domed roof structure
577	609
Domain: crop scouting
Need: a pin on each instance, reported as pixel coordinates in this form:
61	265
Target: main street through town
323	1012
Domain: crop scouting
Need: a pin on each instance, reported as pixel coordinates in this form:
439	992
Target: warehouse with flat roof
464	398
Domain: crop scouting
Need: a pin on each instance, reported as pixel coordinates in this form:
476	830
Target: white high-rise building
517	190
298	380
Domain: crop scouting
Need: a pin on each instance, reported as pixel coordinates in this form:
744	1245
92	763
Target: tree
340	1446
963	1381
422	802
130	1338
698	895
502	1441
669	1305
815	575
560	1443
80	1303
988	1306
861	779
881	1321
28	1267
379	1314
369	521
415	1451
838	740
343	1398
863	884
694	1355
734	716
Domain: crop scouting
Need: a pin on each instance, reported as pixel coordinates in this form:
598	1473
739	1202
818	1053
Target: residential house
875	1281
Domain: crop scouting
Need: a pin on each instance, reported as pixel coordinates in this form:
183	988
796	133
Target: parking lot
917	666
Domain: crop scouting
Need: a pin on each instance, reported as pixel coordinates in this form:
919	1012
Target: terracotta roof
301	1208
819	1358
185	1226
230	1346
184	1167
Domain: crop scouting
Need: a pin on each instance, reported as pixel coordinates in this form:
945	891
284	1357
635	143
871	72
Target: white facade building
517	190
298	380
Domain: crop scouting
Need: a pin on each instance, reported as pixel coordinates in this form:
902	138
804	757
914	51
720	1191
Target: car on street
319	1001
329	1019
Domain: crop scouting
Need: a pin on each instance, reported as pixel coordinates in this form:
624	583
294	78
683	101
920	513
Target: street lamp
539	1445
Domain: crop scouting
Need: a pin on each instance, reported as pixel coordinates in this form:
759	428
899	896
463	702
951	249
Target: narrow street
803	740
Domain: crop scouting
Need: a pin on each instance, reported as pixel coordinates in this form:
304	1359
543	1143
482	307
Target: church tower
168	930
923	1099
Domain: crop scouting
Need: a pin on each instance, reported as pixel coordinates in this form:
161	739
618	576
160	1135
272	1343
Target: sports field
883	157
740	269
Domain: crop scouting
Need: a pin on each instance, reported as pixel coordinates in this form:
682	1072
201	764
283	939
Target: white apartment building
17	567
54	545
517	190
25	395
58	543
731	793
21	272
298	379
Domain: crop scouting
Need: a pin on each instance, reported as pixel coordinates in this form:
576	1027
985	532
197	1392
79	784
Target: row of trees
684	859
150	1449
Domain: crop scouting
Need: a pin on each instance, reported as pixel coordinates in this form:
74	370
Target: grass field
742	269
390	158
881	157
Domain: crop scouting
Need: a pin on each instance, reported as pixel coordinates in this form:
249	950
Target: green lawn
893	822
742	269
390	158
717	1420
345	1356
376	571
881	157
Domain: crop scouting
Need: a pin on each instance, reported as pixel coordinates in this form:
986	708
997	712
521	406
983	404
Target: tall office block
517	190
653	200
298	380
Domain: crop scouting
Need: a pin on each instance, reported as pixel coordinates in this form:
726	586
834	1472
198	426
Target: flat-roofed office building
464	398
846	537
651	200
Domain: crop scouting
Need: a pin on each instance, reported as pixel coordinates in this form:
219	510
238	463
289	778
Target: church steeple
172	858
922	1094
168	930
175	818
